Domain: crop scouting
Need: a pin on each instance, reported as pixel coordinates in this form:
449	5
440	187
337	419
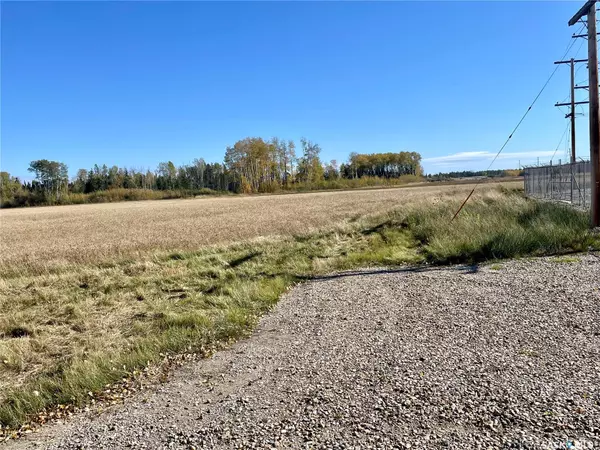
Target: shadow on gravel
464	269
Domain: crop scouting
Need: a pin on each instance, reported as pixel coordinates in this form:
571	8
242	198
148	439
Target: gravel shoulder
500	356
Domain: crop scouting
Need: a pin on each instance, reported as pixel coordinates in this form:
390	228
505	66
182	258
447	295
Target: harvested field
86	233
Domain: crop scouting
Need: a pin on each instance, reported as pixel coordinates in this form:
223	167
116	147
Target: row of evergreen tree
251	165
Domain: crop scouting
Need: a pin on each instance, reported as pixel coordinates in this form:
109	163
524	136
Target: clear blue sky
136	83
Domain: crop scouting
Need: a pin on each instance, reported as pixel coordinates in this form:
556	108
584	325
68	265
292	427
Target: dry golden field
46	236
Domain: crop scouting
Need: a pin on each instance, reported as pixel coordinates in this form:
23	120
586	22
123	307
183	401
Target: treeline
251	165
471	173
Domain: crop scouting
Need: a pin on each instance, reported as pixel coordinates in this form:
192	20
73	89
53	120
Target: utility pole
572	116
571	178
572	103
594	113
572	113
589	10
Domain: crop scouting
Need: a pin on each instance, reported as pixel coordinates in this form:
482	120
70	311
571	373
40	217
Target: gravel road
497	356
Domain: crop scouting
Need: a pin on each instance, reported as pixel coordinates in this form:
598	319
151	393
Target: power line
569	47
579	49
561	139
576	71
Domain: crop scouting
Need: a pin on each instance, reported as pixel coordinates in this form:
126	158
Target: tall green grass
499	226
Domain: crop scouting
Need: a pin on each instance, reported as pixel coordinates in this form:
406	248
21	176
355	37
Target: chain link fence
571	183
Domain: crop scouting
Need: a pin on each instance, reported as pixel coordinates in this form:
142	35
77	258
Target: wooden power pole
572	103
572	113
589	10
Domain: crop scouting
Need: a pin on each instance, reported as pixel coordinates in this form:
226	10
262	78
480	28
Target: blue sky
136	83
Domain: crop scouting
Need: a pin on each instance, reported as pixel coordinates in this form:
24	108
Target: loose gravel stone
452	358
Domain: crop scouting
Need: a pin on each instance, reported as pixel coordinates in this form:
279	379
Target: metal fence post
584	189
571	179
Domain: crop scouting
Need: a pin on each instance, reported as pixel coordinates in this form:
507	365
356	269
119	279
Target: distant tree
128	181
198	173
52	176
10	188
250	165
80	181
114	178
332	171
149	180
166	175
291	159
310	169
475	173
385	165
253	164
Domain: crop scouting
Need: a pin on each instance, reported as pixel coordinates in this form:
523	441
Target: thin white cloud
466	157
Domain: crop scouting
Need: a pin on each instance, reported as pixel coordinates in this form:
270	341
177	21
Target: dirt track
501	356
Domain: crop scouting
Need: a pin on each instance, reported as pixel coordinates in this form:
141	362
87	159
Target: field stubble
49	236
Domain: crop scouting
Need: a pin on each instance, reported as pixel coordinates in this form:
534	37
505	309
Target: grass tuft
496	227
565	259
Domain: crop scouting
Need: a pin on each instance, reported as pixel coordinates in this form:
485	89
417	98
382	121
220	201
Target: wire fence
570	183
